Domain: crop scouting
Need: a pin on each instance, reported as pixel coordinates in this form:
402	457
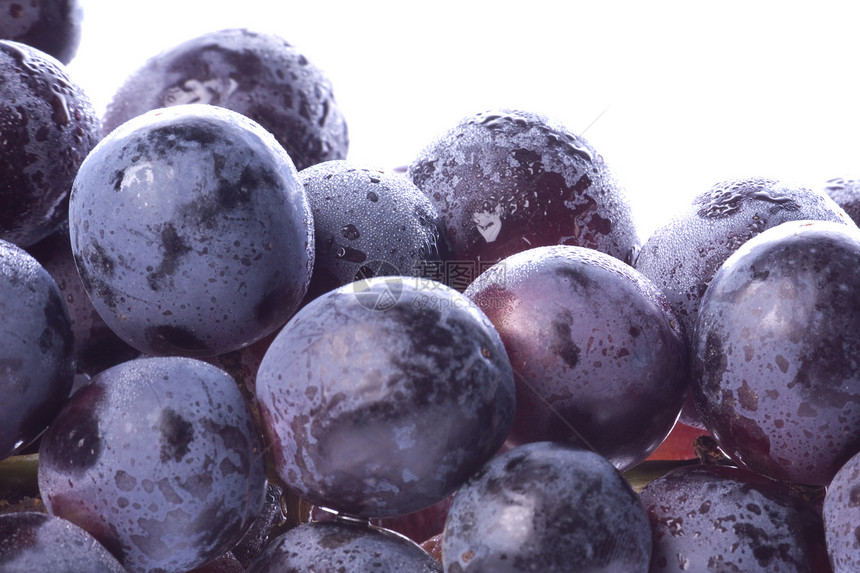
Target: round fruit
35	542
846	194
37	354
258	75
550	508
48	126
381	397
52	26
343	546
370	223
159	459
842	517
776	350
719	518
506	181
682	256
598	356
191	231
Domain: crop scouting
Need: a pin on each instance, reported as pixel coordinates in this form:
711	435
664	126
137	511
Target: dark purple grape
96	346
775	352
506	181
841	513
682	256
724	519
598	356
48	126
846	194
258	75
842	518
37	354
52	26
159	459
546	507
32	542
191	231
370	223
332	546
381	397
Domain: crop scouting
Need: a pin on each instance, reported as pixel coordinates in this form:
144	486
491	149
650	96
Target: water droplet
350	232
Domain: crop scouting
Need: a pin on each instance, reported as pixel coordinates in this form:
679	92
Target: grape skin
775	352
841	523
159	459
191	231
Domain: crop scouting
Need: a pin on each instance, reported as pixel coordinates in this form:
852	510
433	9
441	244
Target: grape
48	126
370	223
506	181
598	356
342	546
191	231
546	507
37	356
776	349
159	459
35	542
846	194
258	75
842	517
720	518
682	256
52	26
381	397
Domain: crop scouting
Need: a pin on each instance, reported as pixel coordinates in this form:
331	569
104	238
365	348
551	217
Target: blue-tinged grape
48	126
842	517
599	358
381	397
721	519
547	507
191	231
370	223
52	26
846	194
37	351
258	75
32	542
507	180
776	352
330	546
159	459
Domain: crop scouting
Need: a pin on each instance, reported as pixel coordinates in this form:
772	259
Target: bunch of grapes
228	348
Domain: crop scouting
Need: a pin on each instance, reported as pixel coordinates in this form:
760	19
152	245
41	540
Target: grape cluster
228	348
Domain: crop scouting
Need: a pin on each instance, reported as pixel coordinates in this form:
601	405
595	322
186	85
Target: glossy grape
32	542
846	194
381	397
598	355
48	126
159	459
258	75
842	517
370	223
776	350
505	181
52	26
720	518
37	353
191	231
342	546
682	256
546	507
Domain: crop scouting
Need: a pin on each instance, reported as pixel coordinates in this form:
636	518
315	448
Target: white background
675	95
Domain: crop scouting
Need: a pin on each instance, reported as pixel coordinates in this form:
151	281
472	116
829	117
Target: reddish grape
598	356
52	26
